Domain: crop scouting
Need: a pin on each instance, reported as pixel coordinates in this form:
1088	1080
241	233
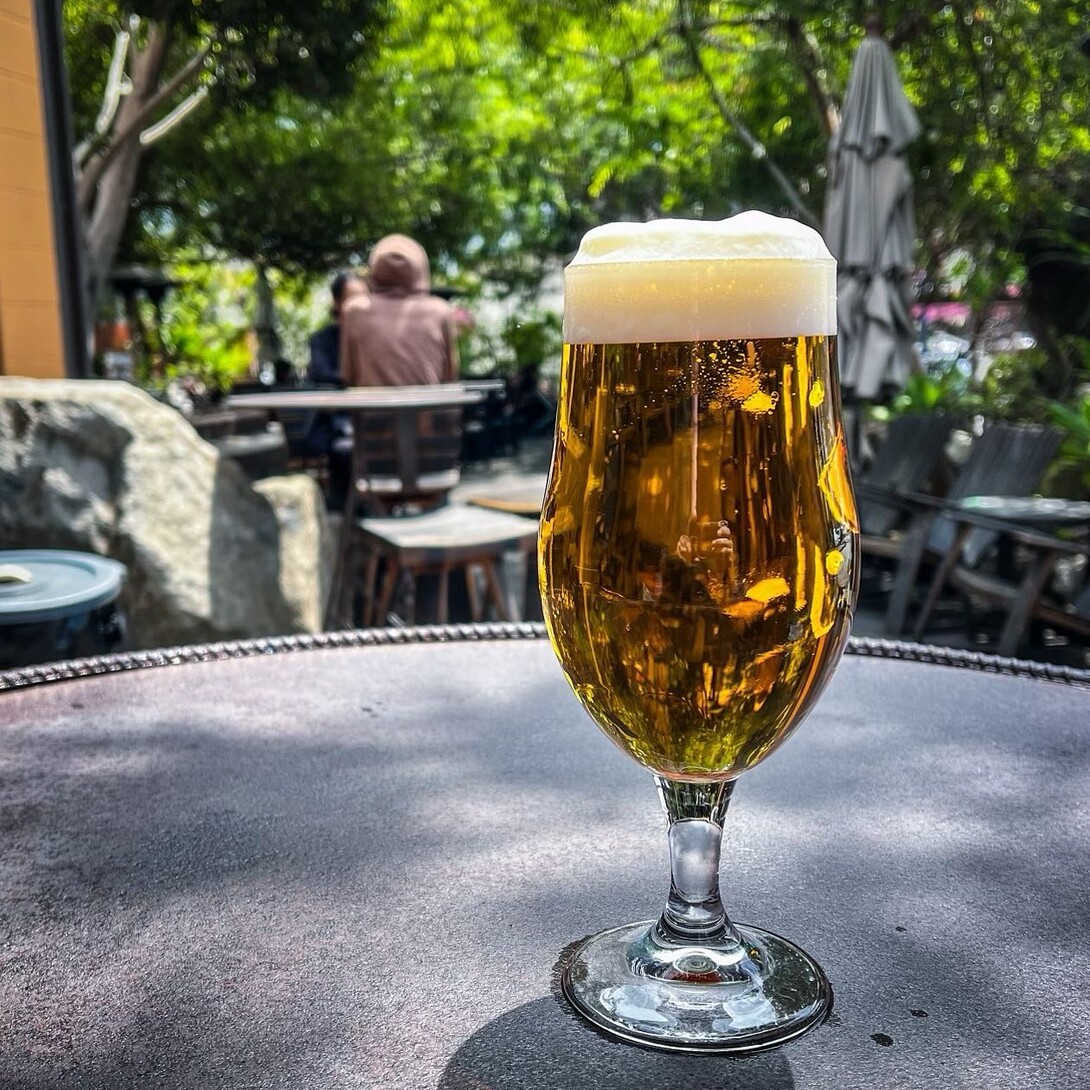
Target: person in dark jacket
331	433
325	345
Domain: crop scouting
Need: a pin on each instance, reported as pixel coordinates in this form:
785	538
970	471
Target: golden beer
699	537
698	572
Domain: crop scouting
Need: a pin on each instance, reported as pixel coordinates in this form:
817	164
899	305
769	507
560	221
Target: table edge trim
122	662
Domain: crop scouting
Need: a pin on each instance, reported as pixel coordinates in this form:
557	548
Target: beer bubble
768	590
740	385
760	402
745	610
817	395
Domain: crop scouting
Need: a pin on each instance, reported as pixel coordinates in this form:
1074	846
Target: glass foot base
763	992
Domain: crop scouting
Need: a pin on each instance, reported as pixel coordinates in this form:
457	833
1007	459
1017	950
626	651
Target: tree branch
758	150
111	97
912	25
93	171
176	116
809	59
965	34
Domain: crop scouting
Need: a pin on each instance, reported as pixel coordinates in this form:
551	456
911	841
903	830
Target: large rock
102	467
306	546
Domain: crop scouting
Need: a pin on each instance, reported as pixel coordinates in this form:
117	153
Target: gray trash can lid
50	584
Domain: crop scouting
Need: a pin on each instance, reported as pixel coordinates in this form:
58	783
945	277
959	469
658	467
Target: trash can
57	605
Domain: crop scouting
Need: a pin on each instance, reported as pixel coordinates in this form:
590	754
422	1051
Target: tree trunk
106	207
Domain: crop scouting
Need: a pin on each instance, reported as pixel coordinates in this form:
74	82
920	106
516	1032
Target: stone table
354	861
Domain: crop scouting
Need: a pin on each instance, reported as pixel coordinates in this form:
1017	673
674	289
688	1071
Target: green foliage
497	132
206	321
1074	421
1012	388
258	46
946	392
533	337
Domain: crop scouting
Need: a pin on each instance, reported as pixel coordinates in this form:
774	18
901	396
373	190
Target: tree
498	132
164	57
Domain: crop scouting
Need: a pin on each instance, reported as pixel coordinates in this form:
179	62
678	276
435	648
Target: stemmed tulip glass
698	574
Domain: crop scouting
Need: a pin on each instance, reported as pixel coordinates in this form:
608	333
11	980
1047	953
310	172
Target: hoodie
397	334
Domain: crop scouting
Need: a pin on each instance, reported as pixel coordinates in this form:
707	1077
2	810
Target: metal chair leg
442	603
370	589
389	585
474	593
495	591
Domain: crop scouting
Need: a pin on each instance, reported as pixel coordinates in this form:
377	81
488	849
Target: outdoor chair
1007	460
442	542
303	455
488	429
906	462
1024	599
248	438
398	525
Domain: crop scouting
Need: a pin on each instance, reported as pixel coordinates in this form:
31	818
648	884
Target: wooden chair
404	458
1007	460
1023	597
440	542
396	517
906	463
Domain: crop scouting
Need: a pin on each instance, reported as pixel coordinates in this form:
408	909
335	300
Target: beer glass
698	573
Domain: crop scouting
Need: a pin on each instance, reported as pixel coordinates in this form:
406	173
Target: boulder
307	546
102	467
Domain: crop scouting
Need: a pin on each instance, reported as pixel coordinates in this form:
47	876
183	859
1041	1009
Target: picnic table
356	860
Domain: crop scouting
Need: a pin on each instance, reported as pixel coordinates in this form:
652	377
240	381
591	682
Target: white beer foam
747	277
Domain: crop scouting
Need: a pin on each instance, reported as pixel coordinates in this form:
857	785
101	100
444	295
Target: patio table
515	493
354	860
1043	512
357	398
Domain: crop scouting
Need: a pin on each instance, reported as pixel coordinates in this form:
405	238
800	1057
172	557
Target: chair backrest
905	462
1007	460
296	424
406	453
1082	600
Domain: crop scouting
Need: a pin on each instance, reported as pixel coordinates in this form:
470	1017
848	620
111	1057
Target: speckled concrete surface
357	868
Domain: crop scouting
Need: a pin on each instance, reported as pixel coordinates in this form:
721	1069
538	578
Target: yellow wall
30	314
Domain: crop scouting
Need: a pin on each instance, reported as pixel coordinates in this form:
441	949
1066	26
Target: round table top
517	494
1031	510
358	867
362	398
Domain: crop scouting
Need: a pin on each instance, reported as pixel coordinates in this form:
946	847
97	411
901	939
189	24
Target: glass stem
694	912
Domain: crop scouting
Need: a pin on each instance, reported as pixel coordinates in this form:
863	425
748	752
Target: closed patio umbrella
870	227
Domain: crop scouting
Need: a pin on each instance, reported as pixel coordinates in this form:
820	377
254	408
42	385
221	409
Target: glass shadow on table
544	1045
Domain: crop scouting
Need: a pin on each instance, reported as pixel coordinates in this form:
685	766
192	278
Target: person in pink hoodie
397	334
